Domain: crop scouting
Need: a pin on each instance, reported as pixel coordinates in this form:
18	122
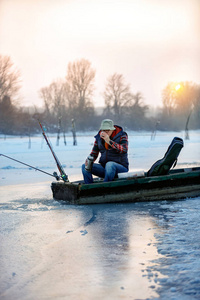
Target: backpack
162	166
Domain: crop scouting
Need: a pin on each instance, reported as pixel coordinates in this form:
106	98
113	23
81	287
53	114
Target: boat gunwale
139	180
157	194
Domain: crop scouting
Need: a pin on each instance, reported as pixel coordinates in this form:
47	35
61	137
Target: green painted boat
178	184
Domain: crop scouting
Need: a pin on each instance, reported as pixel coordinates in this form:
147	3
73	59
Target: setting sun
177	87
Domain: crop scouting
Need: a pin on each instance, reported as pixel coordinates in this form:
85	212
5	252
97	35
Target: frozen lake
51	250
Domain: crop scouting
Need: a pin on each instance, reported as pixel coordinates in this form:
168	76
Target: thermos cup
90	161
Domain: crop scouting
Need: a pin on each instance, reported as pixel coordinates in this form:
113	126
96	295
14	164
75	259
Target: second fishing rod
59	166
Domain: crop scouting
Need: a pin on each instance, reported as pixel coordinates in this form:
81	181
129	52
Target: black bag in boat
162	166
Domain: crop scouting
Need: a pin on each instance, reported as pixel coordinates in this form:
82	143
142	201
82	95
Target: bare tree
80	78
117	94
44	93
196	107
169	98
80	86
7	115
135	112
180	97
9	79
179	101
71	97
54	97
185	96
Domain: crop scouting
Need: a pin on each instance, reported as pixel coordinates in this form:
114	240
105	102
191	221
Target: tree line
71	98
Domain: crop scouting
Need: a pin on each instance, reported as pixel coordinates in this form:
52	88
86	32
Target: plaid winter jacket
116	151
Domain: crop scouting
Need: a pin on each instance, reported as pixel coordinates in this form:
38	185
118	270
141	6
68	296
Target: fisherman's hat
107	124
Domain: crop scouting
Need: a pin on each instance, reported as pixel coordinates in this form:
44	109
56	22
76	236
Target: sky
149	42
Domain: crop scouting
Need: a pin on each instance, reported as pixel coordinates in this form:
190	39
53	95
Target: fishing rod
53	175
64	176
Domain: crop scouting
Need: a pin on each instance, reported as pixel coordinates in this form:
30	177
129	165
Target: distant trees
9	91
180	101
72	96
117	95
168	98
13	119
69	101
196	107
7	115
136	113
55	99
9	79
122	104
80	87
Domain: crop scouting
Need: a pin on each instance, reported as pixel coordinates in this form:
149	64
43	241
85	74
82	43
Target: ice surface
50	250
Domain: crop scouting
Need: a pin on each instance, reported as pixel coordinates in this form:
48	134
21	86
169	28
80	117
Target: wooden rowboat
178	184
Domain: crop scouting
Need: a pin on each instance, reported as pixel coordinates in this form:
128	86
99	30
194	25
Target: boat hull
179	184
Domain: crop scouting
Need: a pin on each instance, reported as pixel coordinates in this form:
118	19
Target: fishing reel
63	177
56	176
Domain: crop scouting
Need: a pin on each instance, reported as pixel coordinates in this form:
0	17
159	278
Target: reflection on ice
86	251
179	243
99	251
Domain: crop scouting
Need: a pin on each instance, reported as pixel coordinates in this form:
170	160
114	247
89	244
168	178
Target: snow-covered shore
50	250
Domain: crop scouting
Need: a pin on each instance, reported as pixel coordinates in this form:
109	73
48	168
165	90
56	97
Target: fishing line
53	175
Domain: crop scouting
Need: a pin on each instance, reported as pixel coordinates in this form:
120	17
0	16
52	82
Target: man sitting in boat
112	143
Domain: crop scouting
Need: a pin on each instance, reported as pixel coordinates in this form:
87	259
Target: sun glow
177	87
